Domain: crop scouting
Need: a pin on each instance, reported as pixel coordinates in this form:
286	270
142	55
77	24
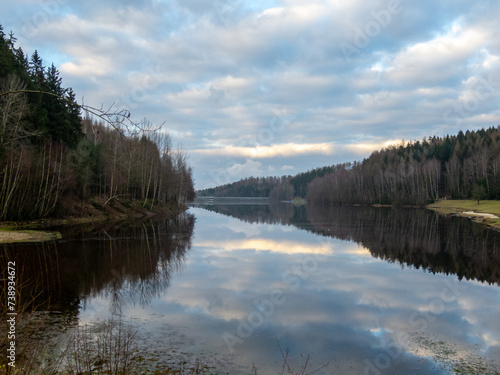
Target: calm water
359	290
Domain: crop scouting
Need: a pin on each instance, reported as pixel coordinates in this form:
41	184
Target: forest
51	157
416	173
466	165
276	188
249	187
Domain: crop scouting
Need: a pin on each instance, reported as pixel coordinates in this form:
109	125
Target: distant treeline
247	187
277	188
49	156
413	173
463	166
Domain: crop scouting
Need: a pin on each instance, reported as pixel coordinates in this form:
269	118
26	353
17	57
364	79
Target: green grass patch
445	207
455	206
298	201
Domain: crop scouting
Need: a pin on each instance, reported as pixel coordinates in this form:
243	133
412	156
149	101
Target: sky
275	87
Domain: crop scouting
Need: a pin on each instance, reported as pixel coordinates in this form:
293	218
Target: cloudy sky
273	87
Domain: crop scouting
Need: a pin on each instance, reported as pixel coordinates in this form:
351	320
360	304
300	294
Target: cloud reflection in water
353	310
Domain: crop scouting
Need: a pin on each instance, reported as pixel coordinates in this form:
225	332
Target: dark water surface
359	290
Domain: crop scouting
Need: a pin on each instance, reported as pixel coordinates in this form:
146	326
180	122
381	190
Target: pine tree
54	105
6	57
37	70
22	63
12	41
39	115
73	120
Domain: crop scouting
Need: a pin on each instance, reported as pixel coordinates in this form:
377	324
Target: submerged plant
102	348
301	370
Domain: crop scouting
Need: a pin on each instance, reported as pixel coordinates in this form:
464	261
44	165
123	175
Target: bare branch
12	110
119	119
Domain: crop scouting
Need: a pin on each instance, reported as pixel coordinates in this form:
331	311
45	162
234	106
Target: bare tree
13	109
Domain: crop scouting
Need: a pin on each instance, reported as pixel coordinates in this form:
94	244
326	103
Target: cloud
436	60
284	150
220	77
363	148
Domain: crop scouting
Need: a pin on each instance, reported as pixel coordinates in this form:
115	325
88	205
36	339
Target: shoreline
8	235
94	213
486	212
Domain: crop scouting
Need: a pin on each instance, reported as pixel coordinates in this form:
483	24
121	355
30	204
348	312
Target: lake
340	290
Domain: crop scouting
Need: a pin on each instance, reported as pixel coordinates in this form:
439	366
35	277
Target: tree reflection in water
123	266
128	264
412	237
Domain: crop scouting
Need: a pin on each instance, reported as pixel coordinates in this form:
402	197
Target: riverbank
11	235
486	212
96	211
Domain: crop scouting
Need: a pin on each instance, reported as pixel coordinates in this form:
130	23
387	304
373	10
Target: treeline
415	173
48	155
276	188
253	187
300	182
141	167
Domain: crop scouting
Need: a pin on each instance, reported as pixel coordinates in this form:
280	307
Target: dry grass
13	236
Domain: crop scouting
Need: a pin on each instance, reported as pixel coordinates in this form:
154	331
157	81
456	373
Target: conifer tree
54	105
37	70
72	120
39	115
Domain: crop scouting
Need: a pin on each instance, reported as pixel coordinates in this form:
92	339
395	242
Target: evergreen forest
51	157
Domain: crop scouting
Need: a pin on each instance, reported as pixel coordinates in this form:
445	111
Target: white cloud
432	62
220	81
283	150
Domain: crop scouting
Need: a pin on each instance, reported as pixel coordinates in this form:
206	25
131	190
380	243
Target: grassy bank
486	212
11	235
96	211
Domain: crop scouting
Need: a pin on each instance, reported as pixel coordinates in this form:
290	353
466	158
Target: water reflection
342	285
129	264
411	237
367	299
